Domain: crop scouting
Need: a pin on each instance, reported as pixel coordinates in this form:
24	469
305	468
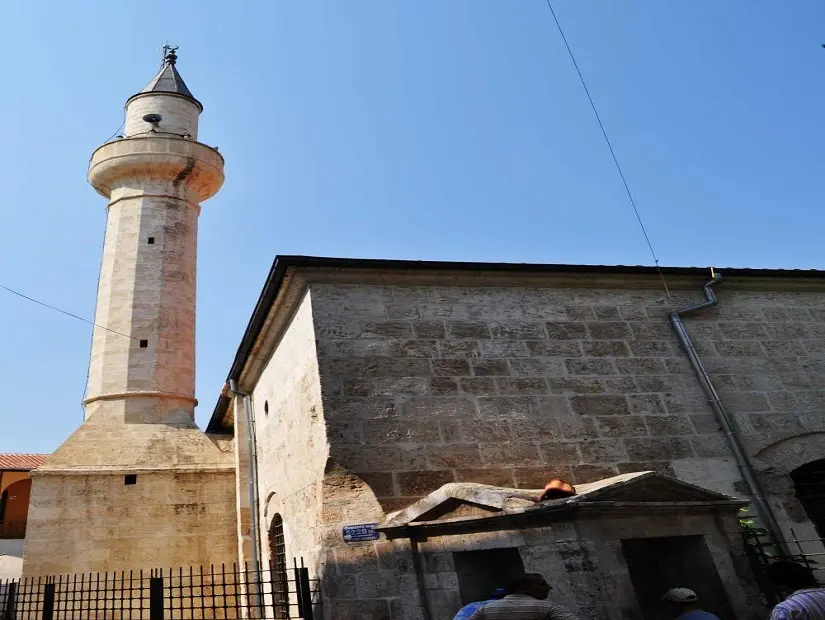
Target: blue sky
429	129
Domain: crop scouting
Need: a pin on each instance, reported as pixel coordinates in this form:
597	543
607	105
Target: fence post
304	593
8	607
48	601
156	598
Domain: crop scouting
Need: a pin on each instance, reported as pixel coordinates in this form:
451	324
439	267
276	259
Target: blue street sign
358	533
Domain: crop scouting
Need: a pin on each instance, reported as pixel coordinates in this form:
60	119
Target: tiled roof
21	461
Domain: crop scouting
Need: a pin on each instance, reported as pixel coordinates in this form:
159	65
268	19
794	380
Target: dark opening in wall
130	479
150	240
144	344
266	407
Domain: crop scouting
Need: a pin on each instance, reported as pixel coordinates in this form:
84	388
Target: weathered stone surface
600	405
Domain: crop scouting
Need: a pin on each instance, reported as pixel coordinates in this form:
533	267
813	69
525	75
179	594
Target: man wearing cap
684	604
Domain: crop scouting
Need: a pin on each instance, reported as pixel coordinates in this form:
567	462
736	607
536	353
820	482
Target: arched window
809	484
278	568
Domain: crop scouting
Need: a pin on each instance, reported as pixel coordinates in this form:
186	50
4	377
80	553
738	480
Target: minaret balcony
185	165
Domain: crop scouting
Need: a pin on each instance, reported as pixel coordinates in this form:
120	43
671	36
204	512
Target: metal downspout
253	475
725	421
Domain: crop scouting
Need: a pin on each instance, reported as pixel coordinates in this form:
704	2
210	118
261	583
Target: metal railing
227	591
12	529
762	551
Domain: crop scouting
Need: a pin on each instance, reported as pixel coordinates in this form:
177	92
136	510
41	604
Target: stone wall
292	447
511	385
97	523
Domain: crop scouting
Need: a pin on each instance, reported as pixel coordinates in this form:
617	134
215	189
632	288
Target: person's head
792	575
681	600
531	584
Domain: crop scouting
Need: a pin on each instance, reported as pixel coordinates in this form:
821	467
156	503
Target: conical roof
168	80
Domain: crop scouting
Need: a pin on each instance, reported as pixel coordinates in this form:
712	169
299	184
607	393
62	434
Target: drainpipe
722	416
252	464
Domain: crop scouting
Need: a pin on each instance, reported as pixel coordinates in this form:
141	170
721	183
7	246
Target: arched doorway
278	568
809	485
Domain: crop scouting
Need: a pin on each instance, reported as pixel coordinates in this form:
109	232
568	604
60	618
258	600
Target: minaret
138	468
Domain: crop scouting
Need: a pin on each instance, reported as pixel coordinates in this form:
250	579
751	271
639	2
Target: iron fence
762	550
228	592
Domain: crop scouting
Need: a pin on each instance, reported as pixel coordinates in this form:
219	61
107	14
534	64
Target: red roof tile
21	461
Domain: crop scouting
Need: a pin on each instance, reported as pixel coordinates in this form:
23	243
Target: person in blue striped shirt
807	601
465	612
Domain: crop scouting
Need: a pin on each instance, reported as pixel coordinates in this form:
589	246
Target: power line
74	316
609	146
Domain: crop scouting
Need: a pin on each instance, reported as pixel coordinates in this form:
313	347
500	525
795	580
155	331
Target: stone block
582	474
535	429
776	423
566	330
554	454
705	423
381	483
413	348
605	450
503	348
575	385
401	311
641	366
387	329
518	330
467	329
658	330
359	609
610	330
486	430
493	476
443	386
459	348
661	467
537	366
554	348
646	404
710	446
451	367
590	367
621	426
393	431
509	454
658	449
739	348
430	329
669	425
606	348
491	367
420	483
521	385
361	409
600	405
510	407
607	313
481	386
432	407
453	456
651	348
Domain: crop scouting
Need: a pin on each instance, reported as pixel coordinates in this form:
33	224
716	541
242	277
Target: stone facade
511	379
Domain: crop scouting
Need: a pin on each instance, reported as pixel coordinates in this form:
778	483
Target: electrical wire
609	146
56	309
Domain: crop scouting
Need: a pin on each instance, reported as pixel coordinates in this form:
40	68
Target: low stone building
374	383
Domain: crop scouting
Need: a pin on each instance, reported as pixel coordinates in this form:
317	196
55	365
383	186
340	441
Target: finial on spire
169	55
